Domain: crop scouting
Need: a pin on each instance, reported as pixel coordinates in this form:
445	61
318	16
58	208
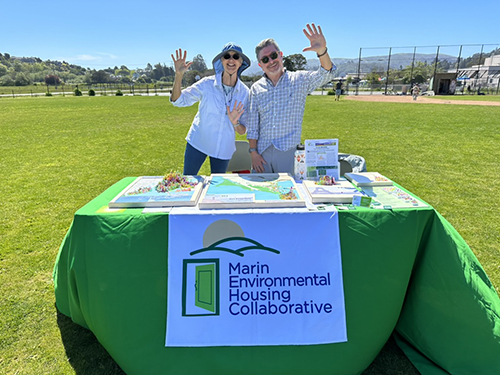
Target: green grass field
60	152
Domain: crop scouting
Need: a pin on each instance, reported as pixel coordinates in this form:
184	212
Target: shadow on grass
88	357
85	354
391	361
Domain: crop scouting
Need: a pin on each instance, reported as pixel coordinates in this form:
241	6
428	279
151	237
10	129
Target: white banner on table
254	279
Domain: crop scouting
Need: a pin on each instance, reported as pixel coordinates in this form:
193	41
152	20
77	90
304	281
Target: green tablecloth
406	271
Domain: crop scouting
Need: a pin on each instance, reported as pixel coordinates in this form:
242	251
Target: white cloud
95	59
85	58
108	55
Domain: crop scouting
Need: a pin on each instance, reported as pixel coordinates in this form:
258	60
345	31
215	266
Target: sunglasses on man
228	56
272	56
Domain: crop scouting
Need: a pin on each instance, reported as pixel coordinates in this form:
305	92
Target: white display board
147	191
368	179
342	192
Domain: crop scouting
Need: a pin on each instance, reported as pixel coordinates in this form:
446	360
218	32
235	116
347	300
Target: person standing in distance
415	91
223	99
338	90
277	103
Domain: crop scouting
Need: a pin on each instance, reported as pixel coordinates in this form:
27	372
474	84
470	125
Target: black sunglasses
272	56
227	56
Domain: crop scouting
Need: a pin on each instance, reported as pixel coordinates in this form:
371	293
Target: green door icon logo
200	287
205	287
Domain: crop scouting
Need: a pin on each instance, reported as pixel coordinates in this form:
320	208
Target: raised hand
180	64
315	36
235	114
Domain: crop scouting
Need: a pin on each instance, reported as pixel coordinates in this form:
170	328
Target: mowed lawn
57	153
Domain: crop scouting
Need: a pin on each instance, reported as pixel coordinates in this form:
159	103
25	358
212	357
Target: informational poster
322	158
254	279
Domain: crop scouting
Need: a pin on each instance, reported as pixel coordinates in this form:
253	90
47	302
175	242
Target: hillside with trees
24	71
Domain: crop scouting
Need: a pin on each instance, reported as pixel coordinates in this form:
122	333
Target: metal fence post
359	71
388	68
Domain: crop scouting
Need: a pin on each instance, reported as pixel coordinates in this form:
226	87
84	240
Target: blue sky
108	33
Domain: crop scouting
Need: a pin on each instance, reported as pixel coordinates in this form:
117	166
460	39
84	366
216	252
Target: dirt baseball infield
420	100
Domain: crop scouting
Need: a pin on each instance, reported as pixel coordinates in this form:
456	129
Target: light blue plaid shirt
276	112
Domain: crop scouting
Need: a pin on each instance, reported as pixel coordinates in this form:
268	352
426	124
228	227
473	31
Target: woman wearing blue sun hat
223	99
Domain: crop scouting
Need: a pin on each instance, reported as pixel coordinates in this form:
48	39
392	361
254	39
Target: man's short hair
264	44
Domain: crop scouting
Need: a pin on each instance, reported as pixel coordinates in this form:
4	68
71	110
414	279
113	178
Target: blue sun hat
230	47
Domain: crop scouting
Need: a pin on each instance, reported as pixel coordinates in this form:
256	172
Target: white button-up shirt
212	132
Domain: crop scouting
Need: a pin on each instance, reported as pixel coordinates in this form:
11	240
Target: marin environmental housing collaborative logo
201	277
232	283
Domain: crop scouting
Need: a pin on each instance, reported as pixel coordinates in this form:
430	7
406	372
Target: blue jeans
193	160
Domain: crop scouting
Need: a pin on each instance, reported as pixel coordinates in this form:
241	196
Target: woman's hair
264	44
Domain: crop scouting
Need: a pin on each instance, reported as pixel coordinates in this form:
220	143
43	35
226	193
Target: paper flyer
322	158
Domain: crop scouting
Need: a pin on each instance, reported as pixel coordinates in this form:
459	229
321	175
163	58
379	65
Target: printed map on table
157	191
251	190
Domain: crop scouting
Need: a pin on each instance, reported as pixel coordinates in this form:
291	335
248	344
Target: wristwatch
250	150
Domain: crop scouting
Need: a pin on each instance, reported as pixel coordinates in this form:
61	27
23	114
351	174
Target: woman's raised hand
180	64
235	114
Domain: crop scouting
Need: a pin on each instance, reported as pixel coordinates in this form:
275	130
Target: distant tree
157	72
395	75
18	66
295	62
122	72
6	80
373	77
87	78
199	64
419	78
253	78
420	73
99	76
168	71
3	70
190	77
444	65
160	71
21	80
52	79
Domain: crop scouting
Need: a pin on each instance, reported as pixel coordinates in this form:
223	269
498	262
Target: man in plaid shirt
277	103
